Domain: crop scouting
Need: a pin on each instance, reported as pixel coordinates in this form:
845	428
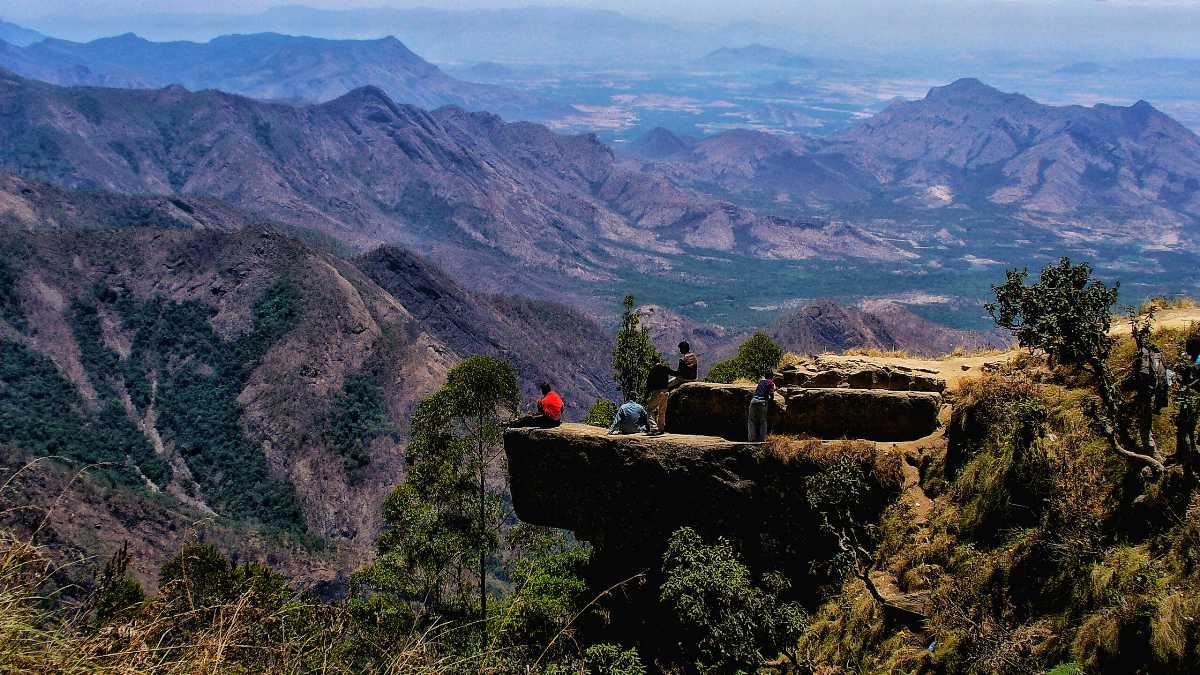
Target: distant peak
965	90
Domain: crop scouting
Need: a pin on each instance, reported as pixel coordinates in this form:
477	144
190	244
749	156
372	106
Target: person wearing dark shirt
760	408
688	366
548	415
658	384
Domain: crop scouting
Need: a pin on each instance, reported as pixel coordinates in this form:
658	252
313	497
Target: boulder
869	414
860	374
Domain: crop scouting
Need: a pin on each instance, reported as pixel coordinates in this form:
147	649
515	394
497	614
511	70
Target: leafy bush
601	413
724	622
757	355
610	659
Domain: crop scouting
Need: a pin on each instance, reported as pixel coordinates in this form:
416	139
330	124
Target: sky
706	10
1158	27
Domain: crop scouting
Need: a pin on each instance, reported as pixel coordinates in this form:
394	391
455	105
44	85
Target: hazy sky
706	10
1095	27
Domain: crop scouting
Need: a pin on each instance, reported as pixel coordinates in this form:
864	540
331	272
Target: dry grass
878	353
790	359
1161	303
884	461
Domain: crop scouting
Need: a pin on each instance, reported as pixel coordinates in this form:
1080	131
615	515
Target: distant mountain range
754	55
267	66
503	205
18	35
521	34
1104	171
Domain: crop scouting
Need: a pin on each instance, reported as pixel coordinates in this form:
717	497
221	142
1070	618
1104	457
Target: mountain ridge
267	66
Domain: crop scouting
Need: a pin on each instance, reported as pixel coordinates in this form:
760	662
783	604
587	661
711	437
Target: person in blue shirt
632	418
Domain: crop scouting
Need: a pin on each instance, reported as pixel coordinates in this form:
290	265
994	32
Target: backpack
1152	374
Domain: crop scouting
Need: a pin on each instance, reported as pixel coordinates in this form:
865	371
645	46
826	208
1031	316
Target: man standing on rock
549	414
760	408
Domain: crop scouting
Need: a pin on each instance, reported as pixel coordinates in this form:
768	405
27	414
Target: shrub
601	413
724	622
610	659
757	355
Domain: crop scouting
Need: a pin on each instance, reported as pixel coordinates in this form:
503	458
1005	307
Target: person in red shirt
549	414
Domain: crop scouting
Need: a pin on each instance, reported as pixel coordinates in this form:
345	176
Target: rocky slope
223	370
488	201
266	66
831	327
1132	170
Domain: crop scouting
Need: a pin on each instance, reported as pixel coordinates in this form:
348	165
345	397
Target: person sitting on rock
548	415
688	366
632	418
760	408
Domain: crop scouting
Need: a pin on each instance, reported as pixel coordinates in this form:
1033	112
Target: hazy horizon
1084	27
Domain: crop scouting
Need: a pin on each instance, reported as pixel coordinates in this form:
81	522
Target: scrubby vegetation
10	302
757	355
176	365
601	413
358	416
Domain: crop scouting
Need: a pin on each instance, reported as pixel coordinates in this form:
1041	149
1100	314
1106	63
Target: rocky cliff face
627	494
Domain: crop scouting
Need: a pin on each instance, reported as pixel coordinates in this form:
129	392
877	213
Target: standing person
549	411
657	391
1150	389
1188	380
760	408
632	418
688	366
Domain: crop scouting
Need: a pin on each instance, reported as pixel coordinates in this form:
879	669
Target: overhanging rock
627	494
868	414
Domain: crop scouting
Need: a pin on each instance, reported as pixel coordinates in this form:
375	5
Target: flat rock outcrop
869	414
627	494
860	374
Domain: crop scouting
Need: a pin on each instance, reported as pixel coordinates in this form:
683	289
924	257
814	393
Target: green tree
634	354
755	356
442	525
725	622
601	413
1067	314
